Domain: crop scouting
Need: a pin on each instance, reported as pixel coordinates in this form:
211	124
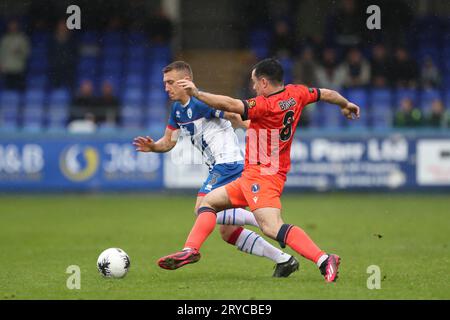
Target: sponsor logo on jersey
255	188
286	104
214	178
177	114
251	103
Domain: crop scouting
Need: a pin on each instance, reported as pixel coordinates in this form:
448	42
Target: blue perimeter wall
321	160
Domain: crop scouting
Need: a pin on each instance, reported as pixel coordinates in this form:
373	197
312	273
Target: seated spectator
108	105
430	76
305	68
348	24
62	57
160	28
328	74
14	52
407	116
380	67
282	40
404	69
438	116
356	69
84	101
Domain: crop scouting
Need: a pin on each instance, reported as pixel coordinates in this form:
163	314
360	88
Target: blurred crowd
343	53
59	54
338	53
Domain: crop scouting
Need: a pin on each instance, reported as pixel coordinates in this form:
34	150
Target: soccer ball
113	263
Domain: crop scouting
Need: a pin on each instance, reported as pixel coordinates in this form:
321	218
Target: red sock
298	240
235	235
204	225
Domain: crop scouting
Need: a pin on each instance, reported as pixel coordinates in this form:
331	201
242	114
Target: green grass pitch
407	236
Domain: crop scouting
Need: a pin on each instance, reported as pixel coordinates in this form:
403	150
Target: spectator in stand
430	76
84	102
62	57
404	69
160	28
356	69
348	24
380	67
14	52
328	73
305	68
282	41
108	105
407	116
438	117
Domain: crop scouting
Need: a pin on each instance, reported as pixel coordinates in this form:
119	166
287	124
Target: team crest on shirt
311	90
251	103
189	113
255	188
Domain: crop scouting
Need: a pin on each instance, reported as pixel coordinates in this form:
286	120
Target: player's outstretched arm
165	144
215	101
348	109
236	120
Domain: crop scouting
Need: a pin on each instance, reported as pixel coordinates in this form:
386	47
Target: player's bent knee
226	232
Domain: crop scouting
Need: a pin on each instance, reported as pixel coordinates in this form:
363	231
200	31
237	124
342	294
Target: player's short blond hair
179	66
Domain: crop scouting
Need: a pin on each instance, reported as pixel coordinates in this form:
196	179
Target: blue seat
89	37
9	99
39	53
259	42
157	95
40	36
8	117
33	117
87	64
136	38
161	52
330	118
131	117
135	66
137	52
57	117
360	97
381	97
39	81
134	80
34	96
132	97
9	109
111	39
38	65
113	52
287	64
381	108
59	97
112	67
157	113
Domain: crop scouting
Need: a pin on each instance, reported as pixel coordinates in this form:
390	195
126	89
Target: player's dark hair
179	66
271	69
